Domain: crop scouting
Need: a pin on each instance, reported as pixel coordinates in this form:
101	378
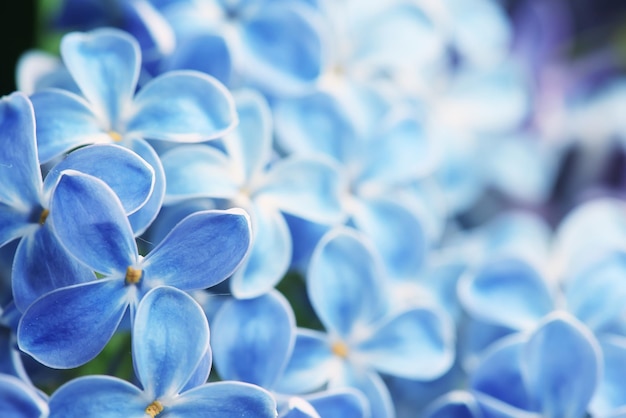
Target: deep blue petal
344	283
98	397
170	338
19	165
90	222
271	242
182	106
19	400
224	400
130	177
70	326
14	223
65	121
416	344
201	251
506	291
563	366
42	265
253	339
105	65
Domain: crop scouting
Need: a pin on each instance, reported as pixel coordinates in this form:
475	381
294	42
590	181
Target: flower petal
14	223
271	242
170	338
340	403
182	106
253	339
65	121
198	171
506	291
563	369
371	385
395	230
201	251
311	364
611	393
416	344
68	327
130	176
42	265
457	404
19	400
105	64
305	187
224	399
90	222
344	283
19	165
98	397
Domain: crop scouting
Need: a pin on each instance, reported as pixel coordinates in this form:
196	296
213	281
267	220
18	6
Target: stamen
115	136
43	216
340	349
154	409
133	275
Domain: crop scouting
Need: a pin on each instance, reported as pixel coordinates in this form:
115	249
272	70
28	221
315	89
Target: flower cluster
307	208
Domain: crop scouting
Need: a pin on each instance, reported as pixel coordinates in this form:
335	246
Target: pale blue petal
98	397
311	364
170	338
153	33
395	230
18	400
202	372
130	176
253	339
494	408
307	187
42	265
344	283
499	373
506	291
90	222
296	407
70	326
596	294
37	70
372	386
415	344
199	171
282	48
271	242
455	404
611	393
224	400
14	223
340	403
19	165
182	106
143	218
105	65
205	52
250	144
201	251
563	366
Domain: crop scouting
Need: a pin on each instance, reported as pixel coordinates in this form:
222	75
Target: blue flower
20	400
364	336
69	326
170	348
181	106
246	176
40	263
253	341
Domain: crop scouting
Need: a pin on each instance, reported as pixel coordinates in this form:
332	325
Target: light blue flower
179	106
364	337
40	264
246	176
170	344
253	341
69	326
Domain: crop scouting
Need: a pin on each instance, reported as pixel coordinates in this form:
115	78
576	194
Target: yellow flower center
133	275
115	136
340	349
154	409
43	216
